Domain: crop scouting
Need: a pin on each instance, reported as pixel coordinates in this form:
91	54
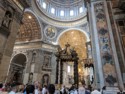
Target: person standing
51	89
81	89
44	90
95	91
13	91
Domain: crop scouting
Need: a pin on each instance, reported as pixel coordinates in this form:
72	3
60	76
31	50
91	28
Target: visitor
44	90
95	91
36	90
13	90
30	89
51	89
81	89
103	89
40	89
64	90
20	89
87	91
5	90
24	91
90	88
73	90
1	85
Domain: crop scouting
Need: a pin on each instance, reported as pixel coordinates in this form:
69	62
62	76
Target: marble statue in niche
45	79
33	56
7	19
46	61
30	81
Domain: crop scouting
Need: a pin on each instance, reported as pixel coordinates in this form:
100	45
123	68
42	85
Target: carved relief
105	46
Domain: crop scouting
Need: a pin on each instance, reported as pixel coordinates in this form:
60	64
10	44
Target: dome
62	10
66	2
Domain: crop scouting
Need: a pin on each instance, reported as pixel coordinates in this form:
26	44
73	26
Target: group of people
81	90
37	88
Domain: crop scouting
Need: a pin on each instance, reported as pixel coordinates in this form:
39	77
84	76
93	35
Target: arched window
52	10
80	9
62	13
71	12
44	5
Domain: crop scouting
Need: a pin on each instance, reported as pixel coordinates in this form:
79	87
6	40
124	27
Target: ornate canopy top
68	54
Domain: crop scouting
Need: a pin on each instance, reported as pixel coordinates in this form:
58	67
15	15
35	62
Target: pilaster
106	59
10	18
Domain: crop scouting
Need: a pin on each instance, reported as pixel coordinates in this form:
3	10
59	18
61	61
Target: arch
19	59
28	10
16	68
30	28
86	34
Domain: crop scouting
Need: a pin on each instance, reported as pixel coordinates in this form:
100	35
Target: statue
45	79
30	78
7	19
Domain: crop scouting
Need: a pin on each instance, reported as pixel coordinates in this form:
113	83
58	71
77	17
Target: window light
80	9
68	69
52	10
71	12
62	13
44	5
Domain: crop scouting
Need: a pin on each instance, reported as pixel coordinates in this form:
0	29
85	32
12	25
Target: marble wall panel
107	57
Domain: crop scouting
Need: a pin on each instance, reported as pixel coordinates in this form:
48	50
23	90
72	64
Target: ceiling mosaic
50	32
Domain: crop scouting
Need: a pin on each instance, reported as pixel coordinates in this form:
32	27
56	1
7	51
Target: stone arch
86	34
30	29
19	58
41	26
16	70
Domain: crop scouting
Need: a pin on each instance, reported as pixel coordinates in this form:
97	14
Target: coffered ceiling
29	29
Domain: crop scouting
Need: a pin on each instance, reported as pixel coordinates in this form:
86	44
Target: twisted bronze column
76	77
61	72
57	71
